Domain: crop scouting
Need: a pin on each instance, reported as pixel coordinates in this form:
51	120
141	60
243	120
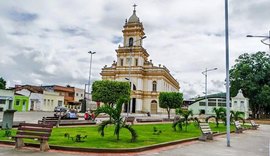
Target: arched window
130	42
154	84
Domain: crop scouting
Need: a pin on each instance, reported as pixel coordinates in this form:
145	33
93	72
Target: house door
9	104
32	105
24	106
153	107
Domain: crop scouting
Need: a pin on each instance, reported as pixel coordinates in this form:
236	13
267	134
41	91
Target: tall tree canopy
2	83
251	73
109	92
170	100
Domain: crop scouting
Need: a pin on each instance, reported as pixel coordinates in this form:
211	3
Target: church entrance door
153	107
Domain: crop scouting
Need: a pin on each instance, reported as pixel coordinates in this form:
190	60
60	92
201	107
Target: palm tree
220	115
237	115
182	121
115	118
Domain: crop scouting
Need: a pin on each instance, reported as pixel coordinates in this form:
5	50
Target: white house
6	99
35	99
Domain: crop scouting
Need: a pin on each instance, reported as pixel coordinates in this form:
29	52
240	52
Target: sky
47	42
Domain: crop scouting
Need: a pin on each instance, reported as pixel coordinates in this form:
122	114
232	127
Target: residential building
39	98
69	95
133	64
6	99
51	100
35	94
21	103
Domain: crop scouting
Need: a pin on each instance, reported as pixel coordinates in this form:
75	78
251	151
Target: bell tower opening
130	42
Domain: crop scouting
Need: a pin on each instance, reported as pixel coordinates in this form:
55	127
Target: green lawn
145	136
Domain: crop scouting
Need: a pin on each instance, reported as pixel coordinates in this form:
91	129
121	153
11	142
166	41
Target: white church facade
133	64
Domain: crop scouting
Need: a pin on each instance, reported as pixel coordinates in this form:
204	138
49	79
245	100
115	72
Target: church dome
133	18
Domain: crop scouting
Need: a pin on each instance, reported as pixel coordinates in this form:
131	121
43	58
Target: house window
77	94
136	62
2	101
17	102
81	95
60	103
130	42
44	101
154	84
70	94
121	62
201	103
51	102
24	102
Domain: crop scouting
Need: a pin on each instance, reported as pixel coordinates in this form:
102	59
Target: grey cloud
107	59
75	31
18	33
218	83
21	16
116	39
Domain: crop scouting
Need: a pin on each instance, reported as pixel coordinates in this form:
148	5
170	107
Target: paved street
250	143
31	117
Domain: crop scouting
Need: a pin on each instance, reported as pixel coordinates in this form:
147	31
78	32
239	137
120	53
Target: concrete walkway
250	143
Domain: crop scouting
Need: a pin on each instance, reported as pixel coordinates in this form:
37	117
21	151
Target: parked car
60	109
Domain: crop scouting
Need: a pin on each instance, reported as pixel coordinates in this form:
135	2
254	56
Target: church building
133	64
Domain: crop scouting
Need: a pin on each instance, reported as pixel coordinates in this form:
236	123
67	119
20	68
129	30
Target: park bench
253	124
130	119
206	131
238	127
41	132
149	120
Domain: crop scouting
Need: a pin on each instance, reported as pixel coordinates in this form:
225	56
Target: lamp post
227	75
264	39
89	80
129	71
205	74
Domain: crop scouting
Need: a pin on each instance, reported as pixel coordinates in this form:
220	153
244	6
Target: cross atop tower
134	5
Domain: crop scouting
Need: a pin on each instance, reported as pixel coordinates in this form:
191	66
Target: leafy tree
237	115
109	92
183	121
220	114
251	74
2	83
115	118
170	100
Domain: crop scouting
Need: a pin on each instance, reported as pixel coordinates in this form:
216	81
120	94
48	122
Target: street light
264	39
228	130
89	80
129	71
205	74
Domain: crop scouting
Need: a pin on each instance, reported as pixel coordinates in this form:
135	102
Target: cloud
47	42
21	16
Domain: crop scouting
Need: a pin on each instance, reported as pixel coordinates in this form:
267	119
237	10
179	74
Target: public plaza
172	78
249	143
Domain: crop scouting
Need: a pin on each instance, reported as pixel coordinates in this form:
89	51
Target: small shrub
156	131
